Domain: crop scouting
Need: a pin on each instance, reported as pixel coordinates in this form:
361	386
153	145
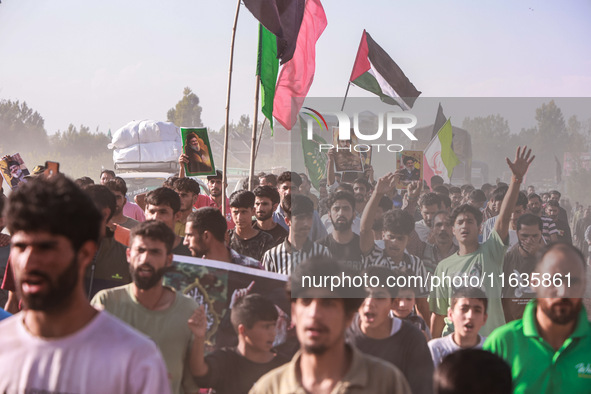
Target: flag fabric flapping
296	76
440	158
267	70
439	121
283	18
314	160
374	70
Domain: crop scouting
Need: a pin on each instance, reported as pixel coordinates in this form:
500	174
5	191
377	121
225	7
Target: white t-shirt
441	347
422	230
105	356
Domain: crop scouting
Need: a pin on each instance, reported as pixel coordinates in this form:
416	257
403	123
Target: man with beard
59	342
205	234
549	230
443	245
429	204
521	260
288	184
549	348
361	192
342	242
265	203
325	362
158	311
118	187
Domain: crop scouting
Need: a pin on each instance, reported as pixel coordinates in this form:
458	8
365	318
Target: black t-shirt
254	247
182	250
278	233
349	253
231	373
407	349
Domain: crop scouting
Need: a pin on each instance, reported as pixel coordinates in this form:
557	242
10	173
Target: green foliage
578	185
20	126
187	112
82	142
491	141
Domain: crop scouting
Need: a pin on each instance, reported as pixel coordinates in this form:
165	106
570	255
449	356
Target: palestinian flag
374	70
440	159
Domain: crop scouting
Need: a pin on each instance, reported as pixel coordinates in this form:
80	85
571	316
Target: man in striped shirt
397	226
549	230
297	247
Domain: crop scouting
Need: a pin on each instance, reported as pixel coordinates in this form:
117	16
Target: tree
21	126
187	112
491	138
80	143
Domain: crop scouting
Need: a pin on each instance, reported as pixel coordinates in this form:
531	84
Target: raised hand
522	161
198	322
414	190
385	183
239	293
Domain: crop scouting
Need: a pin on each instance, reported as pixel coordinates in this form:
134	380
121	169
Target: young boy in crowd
244	238
235	370
403	308
375	332
468	314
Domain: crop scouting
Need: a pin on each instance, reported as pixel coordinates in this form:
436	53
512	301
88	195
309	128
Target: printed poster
214	283
410	164
198	149
13	170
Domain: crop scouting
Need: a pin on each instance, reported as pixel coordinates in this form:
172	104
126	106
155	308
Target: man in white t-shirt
468	314
59	342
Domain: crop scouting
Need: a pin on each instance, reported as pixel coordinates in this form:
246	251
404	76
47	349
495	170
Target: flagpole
254	132
256	152
346	93
227	124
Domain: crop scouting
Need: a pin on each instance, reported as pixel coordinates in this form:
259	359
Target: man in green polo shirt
549	349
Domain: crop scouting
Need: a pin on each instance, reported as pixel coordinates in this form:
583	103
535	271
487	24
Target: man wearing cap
214	184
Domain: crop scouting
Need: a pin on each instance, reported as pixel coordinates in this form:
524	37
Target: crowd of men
84	271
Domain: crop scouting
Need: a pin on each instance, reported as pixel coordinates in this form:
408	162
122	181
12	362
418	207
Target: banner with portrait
13	170
410	165
217	285
198	150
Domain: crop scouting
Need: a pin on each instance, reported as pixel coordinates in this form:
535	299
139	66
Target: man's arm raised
366	234
518	168
198	325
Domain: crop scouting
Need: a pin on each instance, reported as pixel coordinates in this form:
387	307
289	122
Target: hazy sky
104	63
